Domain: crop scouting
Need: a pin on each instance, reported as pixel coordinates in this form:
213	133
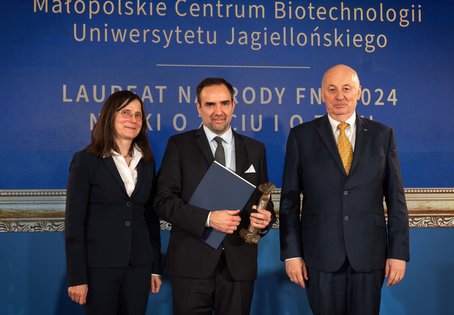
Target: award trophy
251	235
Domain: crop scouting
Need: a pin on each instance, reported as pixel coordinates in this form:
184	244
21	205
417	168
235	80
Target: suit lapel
241	157
110	164
360	141
204	146
326	134
140	177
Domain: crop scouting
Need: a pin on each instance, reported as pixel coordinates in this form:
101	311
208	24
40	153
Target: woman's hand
155	284
78	293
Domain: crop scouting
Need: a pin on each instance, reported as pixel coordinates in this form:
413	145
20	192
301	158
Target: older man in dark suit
341	248
204	278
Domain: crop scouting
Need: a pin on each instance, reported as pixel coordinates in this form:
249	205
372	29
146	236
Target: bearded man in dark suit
205	279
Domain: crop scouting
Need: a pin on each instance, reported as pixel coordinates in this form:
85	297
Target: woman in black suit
112	234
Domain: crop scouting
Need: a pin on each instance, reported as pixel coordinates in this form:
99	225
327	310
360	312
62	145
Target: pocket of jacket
380	221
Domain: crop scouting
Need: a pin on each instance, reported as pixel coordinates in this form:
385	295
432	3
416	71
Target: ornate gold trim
427	207
32	210
44	210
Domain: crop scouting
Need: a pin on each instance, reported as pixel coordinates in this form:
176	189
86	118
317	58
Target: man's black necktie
219	154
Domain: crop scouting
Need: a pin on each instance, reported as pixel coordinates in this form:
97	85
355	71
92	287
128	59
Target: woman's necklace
129	154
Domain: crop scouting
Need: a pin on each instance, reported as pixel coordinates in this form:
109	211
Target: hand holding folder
220	188
225	221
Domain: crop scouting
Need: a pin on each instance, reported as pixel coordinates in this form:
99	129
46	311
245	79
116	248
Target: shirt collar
227	136
334	123
136	153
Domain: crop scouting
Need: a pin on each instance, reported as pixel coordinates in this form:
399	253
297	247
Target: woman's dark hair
102	136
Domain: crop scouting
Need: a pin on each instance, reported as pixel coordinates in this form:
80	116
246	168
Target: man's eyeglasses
126	113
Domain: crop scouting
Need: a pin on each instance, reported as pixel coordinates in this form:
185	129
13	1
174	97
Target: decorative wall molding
44	210
32	210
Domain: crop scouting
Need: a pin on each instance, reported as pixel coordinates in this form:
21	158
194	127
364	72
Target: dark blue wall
49	79
33	278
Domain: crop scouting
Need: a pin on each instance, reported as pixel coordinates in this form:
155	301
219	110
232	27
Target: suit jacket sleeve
264	179
77	196
169	204
398	234
154	229
289	213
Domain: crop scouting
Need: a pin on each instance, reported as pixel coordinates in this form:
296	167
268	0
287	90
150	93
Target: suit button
345	192
127	223
128	204
346	218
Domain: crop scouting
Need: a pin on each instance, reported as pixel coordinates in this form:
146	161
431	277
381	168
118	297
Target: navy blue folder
220	189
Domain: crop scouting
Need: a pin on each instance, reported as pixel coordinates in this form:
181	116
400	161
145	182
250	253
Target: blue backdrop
59	60
34	280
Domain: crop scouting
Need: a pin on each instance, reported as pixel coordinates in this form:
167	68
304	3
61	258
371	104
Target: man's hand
78	293
155	283
260	219
296	271
394	271
225	221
